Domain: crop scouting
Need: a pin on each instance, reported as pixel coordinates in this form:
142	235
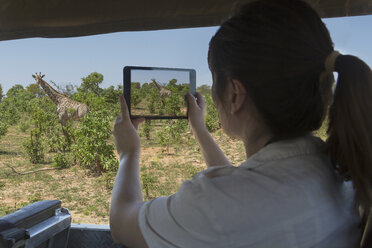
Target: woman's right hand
196	112
125	132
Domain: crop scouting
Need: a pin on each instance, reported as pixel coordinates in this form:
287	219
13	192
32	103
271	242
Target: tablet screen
158	93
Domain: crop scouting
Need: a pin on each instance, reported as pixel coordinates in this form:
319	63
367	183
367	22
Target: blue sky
68	60
161	76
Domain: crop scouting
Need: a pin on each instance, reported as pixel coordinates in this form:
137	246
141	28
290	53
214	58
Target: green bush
146	129
9	112
148	183
3	128
171	133
24	125
60	161
135	95
108	179
211	119
59	138
111	94
173	105
56	141
176	101
94	102
16	104
153	99
91	148
34	147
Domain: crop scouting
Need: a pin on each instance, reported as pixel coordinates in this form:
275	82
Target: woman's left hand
125	132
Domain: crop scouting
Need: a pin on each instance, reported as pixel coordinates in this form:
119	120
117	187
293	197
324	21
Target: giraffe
67	109
163	91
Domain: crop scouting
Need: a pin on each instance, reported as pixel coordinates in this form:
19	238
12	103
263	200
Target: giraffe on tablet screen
163	91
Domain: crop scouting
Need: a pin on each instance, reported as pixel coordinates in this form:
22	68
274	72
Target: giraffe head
38	77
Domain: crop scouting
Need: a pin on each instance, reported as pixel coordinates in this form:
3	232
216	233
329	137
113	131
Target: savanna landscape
76	163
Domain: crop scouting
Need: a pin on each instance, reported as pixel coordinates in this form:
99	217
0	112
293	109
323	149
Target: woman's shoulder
283	151
280	170
306	154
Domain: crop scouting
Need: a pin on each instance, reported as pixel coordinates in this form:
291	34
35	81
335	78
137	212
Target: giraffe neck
157	85
54	95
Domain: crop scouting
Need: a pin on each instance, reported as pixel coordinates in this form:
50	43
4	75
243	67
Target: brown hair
277	49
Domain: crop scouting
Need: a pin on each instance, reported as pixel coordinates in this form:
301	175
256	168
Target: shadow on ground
9	153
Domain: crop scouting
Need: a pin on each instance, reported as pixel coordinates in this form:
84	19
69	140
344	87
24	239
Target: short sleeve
180	220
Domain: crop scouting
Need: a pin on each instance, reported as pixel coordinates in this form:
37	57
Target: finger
137	121
117	122
191	101
200	100
124	108
191	130
118	119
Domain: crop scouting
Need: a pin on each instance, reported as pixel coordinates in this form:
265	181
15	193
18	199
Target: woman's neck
254	139
254	144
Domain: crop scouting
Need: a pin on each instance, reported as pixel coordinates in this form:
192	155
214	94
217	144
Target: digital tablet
156	92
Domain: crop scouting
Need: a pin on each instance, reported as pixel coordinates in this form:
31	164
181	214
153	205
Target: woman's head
277	50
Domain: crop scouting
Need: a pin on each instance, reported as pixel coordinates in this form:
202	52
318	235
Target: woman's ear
238	96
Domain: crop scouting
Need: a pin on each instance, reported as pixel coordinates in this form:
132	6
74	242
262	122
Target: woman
272	65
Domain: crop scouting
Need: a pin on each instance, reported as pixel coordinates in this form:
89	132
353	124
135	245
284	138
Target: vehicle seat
41	224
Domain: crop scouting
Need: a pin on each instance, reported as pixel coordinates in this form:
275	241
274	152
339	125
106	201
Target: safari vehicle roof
69	18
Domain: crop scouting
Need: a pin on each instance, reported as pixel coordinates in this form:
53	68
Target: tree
12	92
136	85
1	92
93	101
204	89
111	94
16	104
36	90
91	83
68	89
135	95
172	82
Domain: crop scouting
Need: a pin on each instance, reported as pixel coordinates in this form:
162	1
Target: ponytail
350	129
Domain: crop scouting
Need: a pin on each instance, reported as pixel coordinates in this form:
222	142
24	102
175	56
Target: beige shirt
284	196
